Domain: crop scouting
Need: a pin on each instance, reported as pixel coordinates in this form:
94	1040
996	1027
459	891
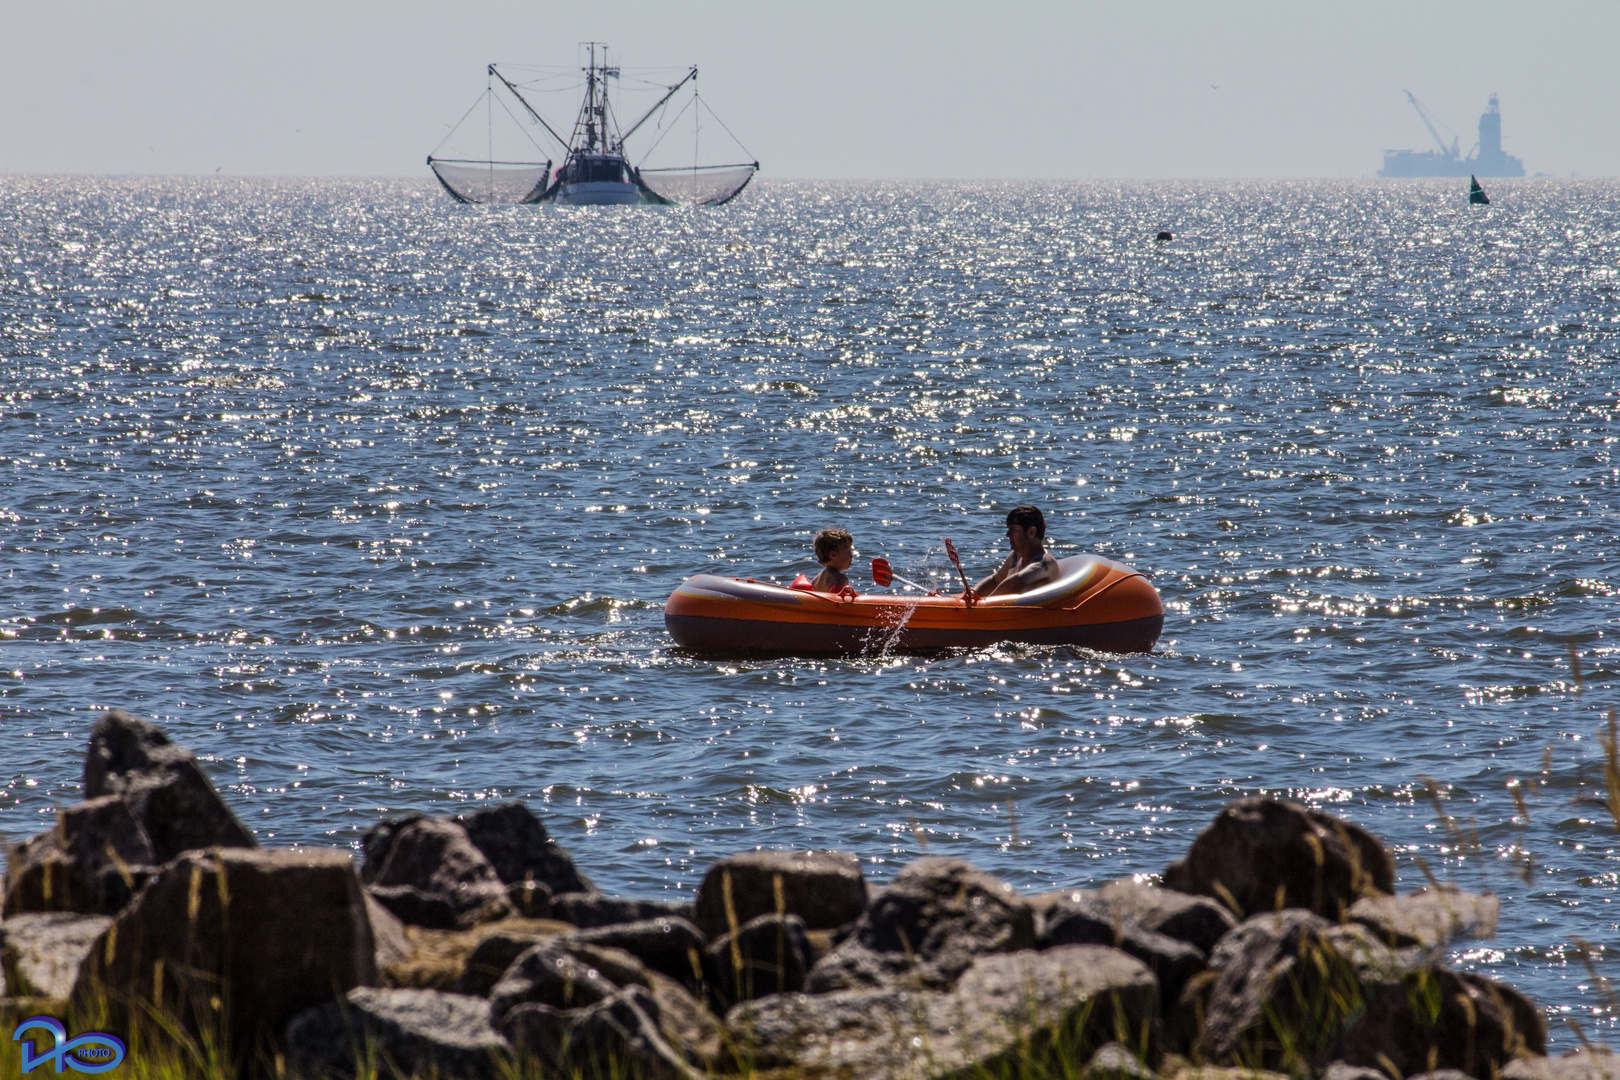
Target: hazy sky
1177	88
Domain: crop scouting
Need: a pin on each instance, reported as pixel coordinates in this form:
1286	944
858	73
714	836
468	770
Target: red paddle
967	590
883	574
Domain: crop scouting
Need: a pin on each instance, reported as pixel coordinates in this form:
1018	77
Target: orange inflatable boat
1097	603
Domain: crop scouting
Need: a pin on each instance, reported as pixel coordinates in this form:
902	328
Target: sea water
374	500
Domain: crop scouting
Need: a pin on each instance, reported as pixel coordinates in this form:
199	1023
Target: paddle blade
950	551
882	573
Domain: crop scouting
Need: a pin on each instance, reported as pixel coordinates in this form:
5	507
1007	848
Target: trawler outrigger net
708	185
492	181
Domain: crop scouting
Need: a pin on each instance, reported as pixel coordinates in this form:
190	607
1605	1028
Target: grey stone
164	787
92	862
928	926
41	953
411	1033
1264	854
769	954
1428	918
549	974
824	889
1113	1062
517	845
611	1037
1008	1010
1587	1063
489	961
589	910
1339	1070
243	939
426	861
1197	920
670	946
1083	919
1441	1074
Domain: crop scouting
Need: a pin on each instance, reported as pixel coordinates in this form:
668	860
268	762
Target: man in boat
1030	565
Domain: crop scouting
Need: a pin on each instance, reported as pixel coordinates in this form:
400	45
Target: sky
834	89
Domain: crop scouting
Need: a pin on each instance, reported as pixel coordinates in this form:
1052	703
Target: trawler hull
598	193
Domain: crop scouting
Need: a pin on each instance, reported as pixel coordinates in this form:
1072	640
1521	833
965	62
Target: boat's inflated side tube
1096	603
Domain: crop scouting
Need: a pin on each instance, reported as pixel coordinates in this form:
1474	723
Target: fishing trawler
596	168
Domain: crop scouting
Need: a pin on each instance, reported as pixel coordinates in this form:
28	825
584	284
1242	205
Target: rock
41	953
824	889
164	787
431	873
393	945
612	1037
1428	918
409	1033
934	919
549	975
438	958
686	1024
769	954
234	942
413	906
1113	1062
1339	1070
530	899
1587	1063
1279	994
489	960
1265	854
615	965
1082	919
589	910
1432	1018
1218	1072
92	862
1019	1011
1441	1074
670	946
519	848
1197	920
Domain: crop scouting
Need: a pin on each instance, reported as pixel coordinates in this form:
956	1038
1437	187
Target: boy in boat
1030	565
835	550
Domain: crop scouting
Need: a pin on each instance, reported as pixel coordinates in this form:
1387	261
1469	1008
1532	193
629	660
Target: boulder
588	910
1587	1063
549	974
1340	1070
1113	1062
927	927
529	899
519	848
1428	918
670	946
489	960
1265	854
1080	918
686	1024
825	889
612	1037
164	787
41	953
1197	920
1019	1011
402	1033
1280	992
234	943
1432	1018
769	954
438	958
428	873
92	862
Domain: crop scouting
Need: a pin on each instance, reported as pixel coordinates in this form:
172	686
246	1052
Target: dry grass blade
1611	770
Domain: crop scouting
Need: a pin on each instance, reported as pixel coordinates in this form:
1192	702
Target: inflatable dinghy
1096	603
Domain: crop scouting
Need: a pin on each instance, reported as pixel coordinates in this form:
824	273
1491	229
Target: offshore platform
1485	159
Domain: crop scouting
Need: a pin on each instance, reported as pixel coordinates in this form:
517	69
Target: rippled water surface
374	500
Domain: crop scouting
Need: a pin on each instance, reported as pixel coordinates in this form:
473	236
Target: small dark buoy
1164	234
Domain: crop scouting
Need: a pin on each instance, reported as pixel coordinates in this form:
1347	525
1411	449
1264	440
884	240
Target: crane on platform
1429	122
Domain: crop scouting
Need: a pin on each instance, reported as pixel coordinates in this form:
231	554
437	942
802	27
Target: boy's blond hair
828	541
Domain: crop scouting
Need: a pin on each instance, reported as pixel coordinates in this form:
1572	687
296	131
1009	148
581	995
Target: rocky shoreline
472	947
